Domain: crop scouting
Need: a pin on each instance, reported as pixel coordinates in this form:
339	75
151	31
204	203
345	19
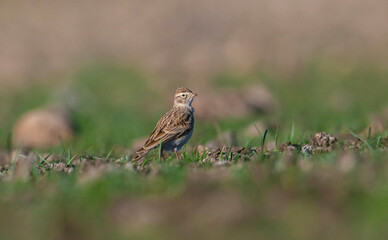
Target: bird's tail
139	154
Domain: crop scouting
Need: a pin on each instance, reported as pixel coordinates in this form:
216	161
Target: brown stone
41	129
212	105
259	98
215	105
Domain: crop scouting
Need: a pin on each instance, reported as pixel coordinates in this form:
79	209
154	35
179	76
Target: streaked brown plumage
175	128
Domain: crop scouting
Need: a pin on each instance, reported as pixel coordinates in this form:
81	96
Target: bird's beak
195	94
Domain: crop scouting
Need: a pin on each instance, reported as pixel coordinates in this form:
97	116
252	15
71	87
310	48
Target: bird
175	128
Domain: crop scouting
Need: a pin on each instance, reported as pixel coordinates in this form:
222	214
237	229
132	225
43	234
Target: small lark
175	128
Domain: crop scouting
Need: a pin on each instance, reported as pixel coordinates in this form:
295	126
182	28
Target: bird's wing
173	124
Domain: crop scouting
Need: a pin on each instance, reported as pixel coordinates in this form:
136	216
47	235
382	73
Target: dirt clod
59	167
384	142
287	147
4	158
226	154
323	142
351	142
307	150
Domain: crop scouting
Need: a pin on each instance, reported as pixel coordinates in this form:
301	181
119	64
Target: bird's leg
163	155
176	154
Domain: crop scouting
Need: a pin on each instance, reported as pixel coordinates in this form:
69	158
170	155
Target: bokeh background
120	61
187	40
95	76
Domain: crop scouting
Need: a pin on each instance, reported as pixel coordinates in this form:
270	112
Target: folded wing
172	125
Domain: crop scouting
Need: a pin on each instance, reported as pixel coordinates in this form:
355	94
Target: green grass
272	196
279	200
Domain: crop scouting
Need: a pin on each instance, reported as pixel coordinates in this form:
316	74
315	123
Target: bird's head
184	97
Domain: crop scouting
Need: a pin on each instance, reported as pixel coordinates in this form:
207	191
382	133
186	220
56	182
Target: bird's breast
178	143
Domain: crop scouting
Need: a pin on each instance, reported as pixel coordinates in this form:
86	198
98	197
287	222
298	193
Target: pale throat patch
185	105
182	104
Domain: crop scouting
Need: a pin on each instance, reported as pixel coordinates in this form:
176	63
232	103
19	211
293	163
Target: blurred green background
117	64
114	66
112	106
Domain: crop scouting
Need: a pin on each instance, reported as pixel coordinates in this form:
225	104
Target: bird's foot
178	156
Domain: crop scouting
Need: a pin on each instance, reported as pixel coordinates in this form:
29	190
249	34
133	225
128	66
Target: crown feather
182	90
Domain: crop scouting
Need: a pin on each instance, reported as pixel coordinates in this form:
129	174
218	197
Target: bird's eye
184	95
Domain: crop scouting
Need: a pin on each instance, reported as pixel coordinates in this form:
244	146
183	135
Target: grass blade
42	158
109	154
69	157
263	142
160	151
292	134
